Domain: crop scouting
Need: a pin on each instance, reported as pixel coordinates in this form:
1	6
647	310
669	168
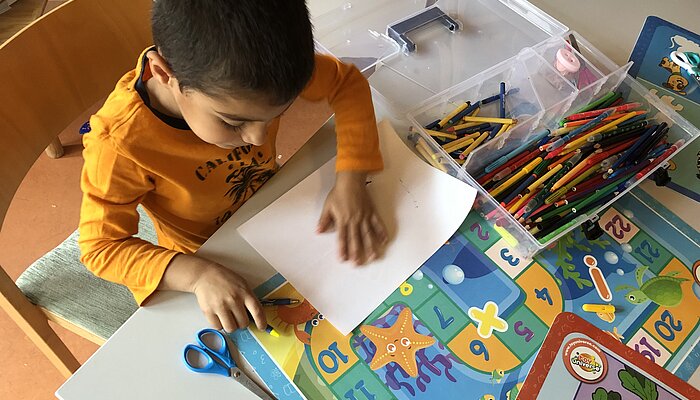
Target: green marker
558	231
595	104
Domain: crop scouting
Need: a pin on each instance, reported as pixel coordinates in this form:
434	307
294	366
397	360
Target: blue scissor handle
219	360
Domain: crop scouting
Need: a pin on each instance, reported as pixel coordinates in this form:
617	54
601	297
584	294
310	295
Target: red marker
595	113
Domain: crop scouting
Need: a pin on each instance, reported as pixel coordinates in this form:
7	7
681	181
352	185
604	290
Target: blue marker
593	123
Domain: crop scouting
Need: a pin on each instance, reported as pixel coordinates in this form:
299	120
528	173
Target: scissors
214	353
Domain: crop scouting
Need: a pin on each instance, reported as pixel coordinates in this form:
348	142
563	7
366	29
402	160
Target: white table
142	360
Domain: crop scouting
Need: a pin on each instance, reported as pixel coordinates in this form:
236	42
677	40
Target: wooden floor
22	13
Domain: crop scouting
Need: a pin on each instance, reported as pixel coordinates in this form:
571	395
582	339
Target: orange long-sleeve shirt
189	187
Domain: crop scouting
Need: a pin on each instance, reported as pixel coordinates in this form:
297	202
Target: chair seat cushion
60	283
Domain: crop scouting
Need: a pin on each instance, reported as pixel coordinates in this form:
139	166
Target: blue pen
647	147
583	128
504	159
503	99
433	124
659	150
642	140
498	96
495	130
628	170
633	120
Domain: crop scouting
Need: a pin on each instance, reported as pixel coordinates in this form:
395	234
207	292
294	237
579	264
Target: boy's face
224	121
229	121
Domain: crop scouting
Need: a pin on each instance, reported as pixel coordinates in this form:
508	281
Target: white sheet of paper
421	207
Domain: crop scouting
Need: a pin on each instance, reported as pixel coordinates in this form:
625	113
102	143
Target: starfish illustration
398	343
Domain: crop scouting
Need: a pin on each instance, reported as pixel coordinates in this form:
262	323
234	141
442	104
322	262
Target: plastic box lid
413	49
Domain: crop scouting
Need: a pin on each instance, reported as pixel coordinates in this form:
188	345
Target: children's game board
654	68
580	362
470	321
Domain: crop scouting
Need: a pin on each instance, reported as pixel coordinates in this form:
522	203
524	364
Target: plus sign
487	320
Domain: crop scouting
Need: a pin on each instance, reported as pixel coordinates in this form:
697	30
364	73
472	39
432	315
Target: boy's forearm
182	273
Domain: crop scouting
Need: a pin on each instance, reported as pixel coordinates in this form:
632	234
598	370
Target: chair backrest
55	69
50	73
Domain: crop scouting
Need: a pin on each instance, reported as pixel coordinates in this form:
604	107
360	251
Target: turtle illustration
664	290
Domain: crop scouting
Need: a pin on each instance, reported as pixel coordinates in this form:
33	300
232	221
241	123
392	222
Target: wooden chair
51	72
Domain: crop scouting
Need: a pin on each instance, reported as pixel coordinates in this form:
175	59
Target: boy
190	135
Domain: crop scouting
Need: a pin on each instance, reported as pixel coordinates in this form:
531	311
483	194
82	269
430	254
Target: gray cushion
60	283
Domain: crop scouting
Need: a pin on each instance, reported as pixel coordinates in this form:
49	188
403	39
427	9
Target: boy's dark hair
221	47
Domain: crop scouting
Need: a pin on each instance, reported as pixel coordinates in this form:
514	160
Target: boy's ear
160	70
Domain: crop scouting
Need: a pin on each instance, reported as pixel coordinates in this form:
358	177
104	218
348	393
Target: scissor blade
248	383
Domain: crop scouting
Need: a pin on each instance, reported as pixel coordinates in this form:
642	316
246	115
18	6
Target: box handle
399	31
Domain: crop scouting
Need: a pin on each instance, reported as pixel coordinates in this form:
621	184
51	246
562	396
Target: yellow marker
454	112
476	112
543	178
583	176
491	120
463	126
274	333
562	131
457	144
526	170
572	173
518	204
599	308
429	156
474	145
441	134
503	129
613	125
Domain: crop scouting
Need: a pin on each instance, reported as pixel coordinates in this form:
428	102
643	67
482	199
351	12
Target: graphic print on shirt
248	173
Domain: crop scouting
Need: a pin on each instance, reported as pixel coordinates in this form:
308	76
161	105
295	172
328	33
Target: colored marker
473	145
598	308
521	174
467	111
612	125
595	113
441	134
449	116
503	100
658	160
528	143
465	129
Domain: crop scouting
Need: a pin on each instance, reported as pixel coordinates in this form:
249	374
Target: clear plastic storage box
423	59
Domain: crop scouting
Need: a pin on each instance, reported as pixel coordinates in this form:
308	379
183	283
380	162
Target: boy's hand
223	295
349	209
